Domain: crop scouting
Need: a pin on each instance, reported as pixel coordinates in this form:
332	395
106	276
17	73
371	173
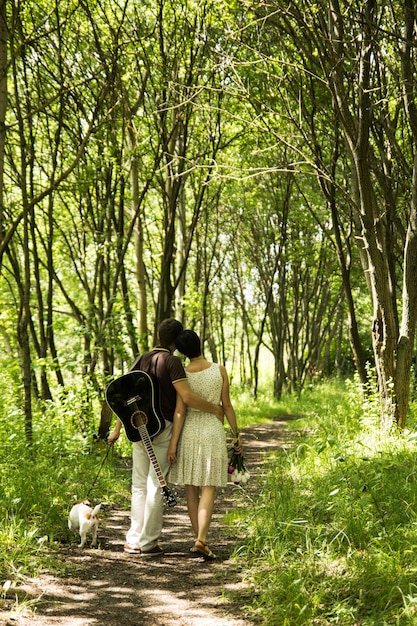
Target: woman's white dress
202	448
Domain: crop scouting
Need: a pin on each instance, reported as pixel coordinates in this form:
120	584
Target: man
147	501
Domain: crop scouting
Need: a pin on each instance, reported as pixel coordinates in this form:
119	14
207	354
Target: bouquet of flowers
237	470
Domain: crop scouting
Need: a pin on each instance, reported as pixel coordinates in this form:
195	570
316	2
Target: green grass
38	482
265	408
332	537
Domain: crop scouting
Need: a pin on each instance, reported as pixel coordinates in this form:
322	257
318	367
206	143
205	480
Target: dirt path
111	588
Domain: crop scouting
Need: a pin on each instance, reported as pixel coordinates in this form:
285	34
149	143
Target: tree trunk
405	348
142	321
3	107
373	236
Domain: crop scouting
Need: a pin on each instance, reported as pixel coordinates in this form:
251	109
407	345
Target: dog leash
99	470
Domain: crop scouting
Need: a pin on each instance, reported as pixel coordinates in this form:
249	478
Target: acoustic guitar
135	400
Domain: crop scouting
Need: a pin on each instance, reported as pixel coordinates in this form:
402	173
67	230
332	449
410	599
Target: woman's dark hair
188	343
168	331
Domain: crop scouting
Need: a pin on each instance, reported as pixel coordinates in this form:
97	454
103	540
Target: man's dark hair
168	331
188	343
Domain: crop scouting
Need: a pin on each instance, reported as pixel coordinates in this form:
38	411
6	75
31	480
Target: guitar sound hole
138	418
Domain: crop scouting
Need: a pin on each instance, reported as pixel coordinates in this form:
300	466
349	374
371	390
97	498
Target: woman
200	462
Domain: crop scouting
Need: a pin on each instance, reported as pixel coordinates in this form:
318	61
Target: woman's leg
205	512
192	495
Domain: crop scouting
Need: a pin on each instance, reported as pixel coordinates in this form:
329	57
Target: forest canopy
247	167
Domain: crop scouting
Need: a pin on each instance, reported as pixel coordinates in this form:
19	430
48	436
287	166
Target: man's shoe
131	550
156	551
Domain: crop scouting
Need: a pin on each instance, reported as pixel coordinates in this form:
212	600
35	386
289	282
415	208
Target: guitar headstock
169	497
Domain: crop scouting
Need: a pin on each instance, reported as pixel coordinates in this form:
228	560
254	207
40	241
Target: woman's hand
237	445
172	455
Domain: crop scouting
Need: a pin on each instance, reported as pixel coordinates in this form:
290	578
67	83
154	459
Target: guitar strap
151	370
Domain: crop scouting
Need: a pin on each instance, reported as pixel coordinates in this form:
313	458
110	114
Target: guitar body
133	392
135	400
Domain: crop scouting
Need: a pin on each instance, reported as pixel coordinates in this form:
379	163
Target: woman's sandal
203	550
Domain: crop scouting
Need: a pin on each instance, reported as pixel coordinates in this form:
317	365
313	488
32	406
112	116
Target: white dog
83	518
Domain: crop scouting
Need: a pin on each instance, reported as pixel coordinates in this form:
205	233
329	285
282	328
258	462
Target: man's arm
115	434
194	401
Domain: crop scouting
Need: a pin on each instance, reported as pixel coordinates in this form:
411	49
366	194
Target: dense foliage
250	168
247	167
186	160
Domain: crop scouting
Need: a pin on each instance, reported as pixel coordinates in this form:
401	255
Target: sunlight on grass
332	536
39	482
329	538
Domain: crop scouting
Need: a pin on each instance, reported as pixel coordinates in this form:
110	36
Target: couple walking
192	447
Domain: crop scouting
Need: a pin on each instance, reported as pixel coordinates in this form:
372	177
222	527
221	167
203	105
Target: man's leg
140	472
153	513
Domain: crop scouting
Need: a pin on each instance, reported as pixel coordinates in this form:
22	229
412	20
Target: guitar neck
146	440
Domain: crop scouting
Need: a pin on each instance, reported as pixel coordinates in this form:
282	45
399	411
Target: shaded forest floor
107	587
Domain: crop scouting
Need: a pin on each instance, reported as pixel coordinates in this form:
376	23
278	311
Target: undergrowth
40	481
332	535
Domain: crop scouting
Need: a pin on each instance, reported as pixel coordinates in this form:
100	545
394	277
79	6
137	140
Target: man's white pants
147	500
